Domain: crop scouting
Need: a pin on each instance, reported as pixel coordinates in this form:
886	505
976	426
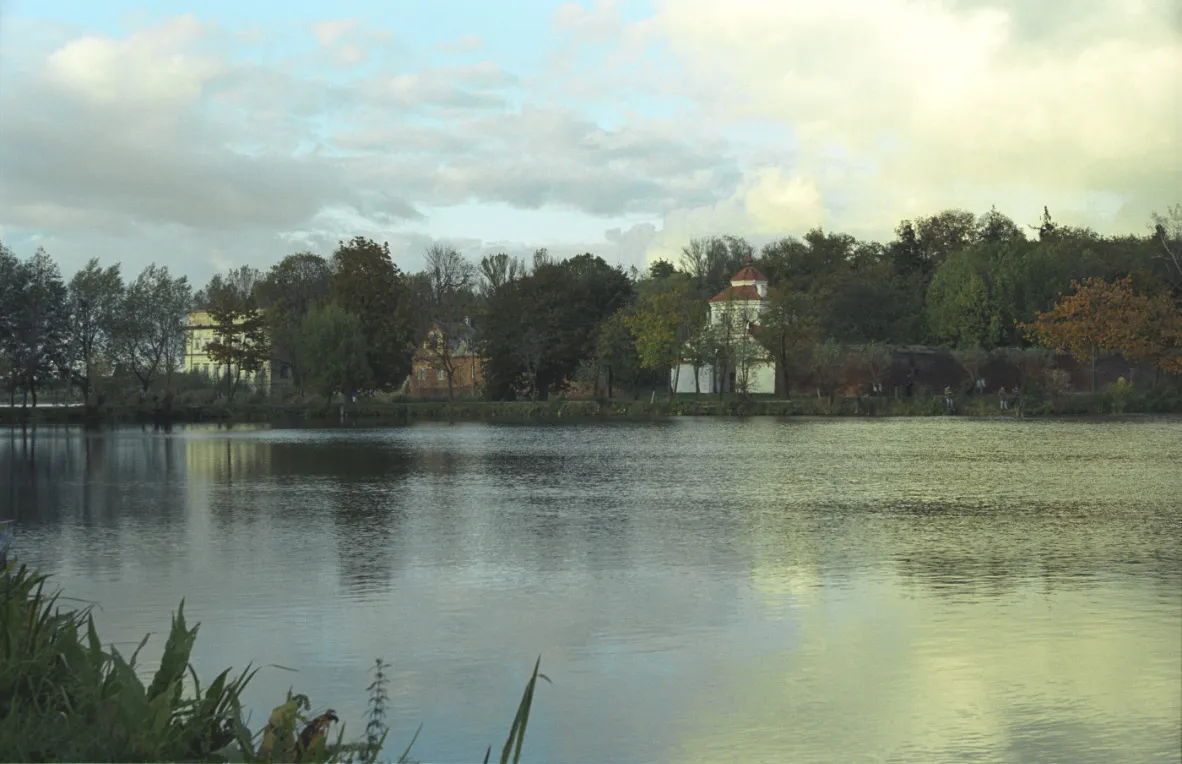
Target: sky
204	136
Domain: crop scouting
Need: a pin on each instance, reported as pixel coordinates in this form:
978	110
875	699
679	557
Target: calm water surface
699	590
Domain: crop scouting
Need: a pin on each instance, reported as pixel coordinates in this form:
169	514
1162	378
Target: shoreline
1101	404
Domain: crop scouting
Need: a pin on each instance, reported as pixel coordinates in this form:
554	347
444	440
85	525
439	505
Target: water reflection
750	590
80	485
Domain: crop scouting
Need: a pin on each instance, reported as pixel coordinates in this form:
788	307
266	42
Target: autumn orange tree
1160	340
1102	317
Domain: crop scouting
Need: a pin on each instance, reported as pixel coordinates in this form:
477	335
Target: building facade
200	332
447	345
734	314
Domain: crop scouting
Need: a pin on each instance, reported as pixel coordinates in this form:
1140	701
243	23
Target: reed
65	697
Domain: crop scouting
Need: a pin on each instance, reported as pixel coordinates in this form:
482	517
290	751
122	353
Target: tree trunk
609	382
697	381
1093	367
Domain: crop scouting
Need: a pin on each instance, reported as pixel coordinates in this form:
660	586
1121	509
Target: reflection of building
200	332
221	457
738	306
446	345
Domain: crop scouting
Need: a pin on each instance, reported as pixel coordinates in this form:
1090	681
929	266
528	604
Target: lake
700	590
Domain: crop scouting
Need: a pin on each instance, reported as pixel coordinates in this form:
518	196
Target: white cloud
767	204
465	44
750	117
328	33
346	42
153	67
943	106
168	130
598	23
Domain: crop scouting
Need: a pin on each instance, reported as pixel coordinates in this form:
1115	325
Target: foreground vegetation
65	697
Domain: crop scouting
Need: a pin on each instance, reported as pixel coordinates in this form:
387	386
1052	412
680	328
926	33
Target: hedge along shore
393	414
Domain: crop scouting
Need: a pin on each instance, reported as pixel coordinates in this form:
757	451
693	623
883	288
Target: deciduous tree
95	299
616	356
370	285
38	344
333	342
1167	234
151	329
711	261
788	327
544	324
1098	317
239	340
661	324
292	287
875	360
827	360
964	302
661	269
498	270
12	285
451	277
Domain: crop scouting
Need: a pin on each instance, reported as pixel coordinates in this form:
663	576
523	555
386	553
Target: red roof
749	273
744	292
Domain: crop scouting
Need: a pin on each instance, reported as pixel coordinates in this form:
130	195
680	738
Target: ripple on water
918	591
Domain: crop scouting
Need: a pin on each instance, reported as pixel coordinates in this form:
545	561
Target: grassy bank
1160	401
65	697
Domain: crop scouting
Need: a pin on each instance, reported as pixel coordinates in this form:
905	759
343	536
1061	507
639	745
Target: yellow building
199	333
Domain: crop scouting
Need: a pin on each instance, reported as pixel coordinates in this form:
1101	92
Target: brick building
446	346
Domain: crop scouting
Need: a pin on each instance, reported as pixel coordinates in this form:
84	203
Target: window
422	373
439	374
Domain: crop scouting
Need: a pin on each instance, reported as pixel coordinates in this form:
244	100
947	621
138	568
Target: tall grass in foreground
64	697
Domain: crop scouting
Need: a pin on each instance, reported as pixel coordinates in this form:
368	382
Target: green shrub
63	697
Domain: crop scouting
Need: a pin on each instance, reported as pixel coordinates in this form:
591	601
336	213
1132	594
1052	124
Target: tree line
352	321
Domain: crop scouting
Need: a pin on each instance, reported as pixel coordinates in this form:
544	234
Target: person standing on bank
1001	396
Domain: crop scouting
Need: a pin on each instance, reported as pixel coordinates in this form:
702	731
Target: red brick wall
430	386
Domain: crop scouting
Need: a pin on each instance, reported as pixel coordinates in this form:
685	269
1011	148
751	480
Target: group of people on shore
1005	397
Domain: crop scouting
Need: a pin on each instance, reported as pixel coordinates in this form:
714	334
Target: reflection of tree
954	549
367	524
340	459
99	491
367	494
91	497
548	511
29	477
